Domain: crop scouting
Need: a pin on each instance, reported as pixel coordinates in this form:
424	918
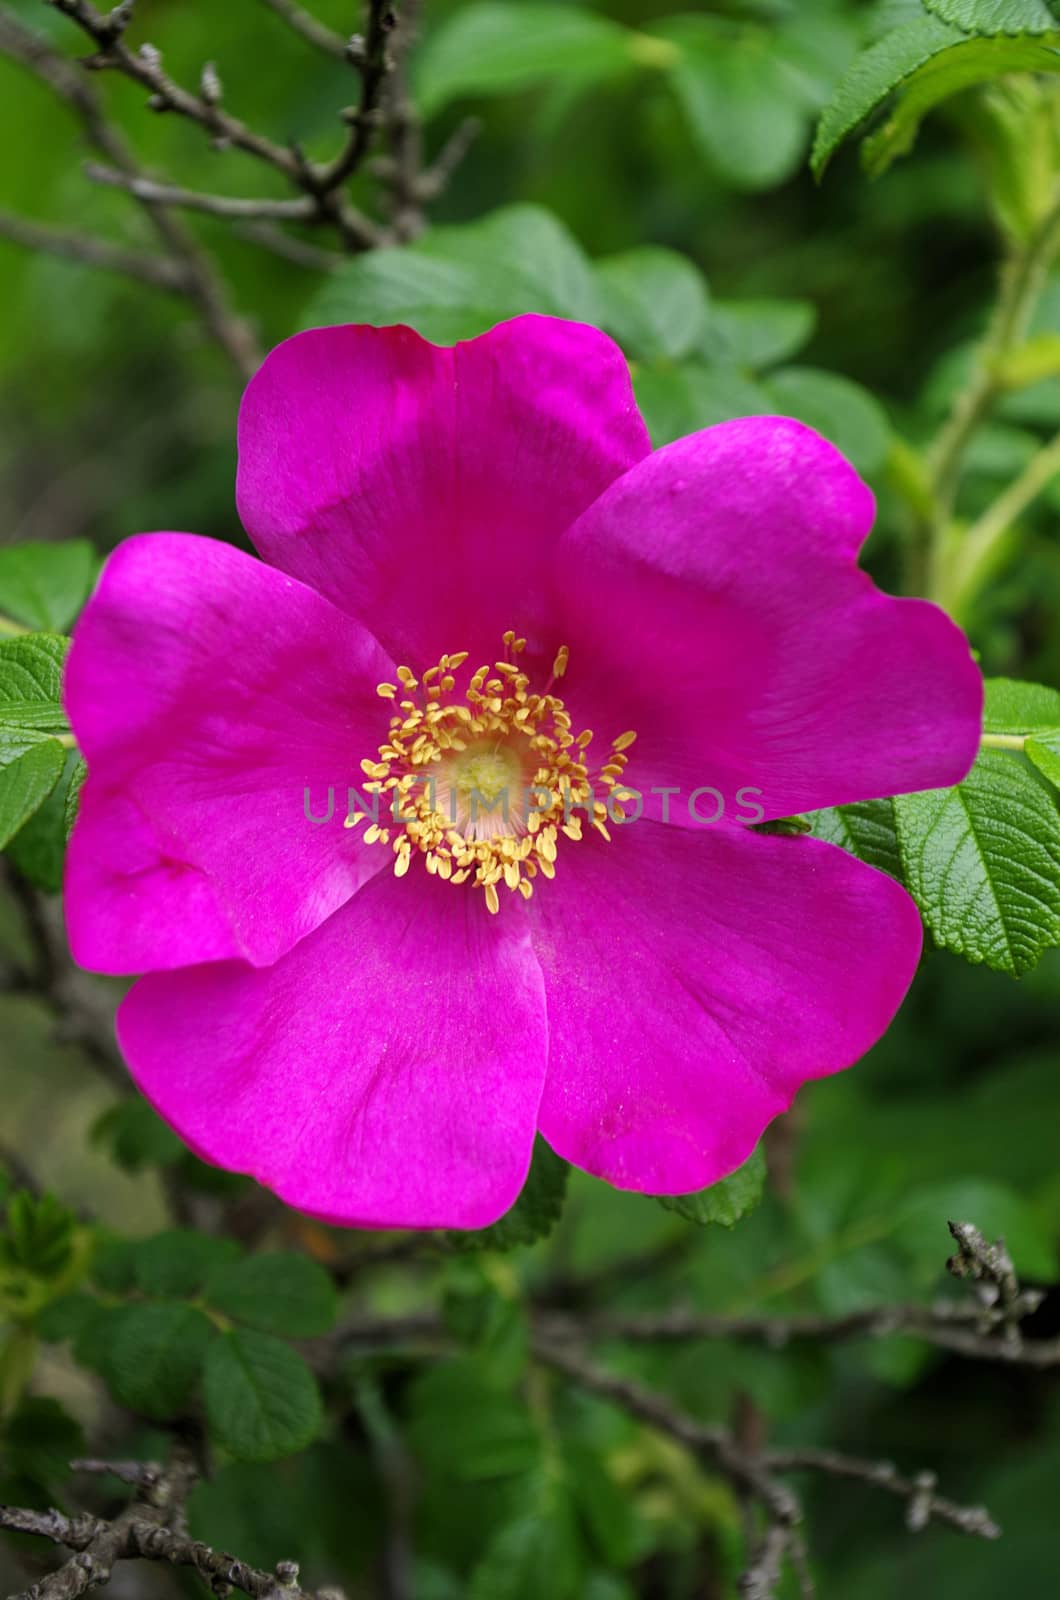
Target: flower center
482	782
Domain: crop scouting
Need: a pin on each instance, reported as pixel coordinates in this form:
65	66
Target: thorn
210	85
119	19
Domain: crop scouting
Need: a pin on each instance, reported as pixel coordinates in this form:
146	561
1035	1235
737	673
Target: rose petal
386	1073
423	489
207	692
694	981
712	604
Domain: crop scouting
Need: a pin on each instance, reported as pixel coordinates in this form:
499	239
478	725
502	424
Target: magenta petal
130	905
423	489
207	691
695	980
386	1073
712	603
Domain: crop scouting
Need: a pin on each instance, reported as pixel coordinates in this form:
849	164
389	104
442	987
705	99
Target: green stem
980	541
1022	279
1003	741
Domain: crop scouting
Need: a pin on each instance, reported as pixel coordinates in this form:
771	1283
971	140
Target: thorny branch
985	1328
202	285
152	1527
383	111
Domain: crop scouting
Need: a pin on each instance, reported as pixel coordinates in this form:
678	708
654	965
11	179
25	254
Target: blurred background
852	303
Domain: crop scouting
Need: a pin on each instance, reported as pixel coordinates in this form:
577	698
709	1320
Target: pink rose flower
476	570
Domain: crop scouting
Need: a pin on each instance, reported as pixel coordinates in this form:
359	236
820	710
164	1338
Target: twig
759	1581
267	236
437	175
312	31
710	1442
404	135
144	66
373	64
153	1527
319	182
923	1504
160	271
301	209
204	287
948	1325
305	208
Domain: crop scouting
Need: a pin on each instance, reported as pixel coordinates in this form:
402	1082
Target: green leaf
44	586
874	75
676	401
38	1234
996	16
928	61
31	683
261	1399
39	847
866	829
1011	706
534	1214
757	333
40	1439
539	1542
498	49
976	61
67	1317
178	1262
1044	752
27	778
154	1356
654	301
73	797
462	1426
982	861
279	1292
135	1136
530	252
725	1202
458	281
611	1518
745	110
841	410
114	1264
437	298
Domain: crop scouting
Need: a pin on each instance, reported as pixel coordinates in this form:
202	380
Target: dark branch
301	209
304	208
151	1528
923	1504
712	1443
162	272
373	63
204	288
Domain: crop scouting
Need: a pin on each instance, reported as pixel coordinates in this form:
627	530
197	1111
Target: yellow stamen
484	787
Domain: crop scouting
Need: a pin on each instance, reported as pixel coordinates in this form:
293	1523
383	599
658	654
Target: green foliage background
677	155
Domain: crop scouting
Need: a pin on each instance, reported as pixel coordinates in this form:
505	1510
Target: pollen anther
482	782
